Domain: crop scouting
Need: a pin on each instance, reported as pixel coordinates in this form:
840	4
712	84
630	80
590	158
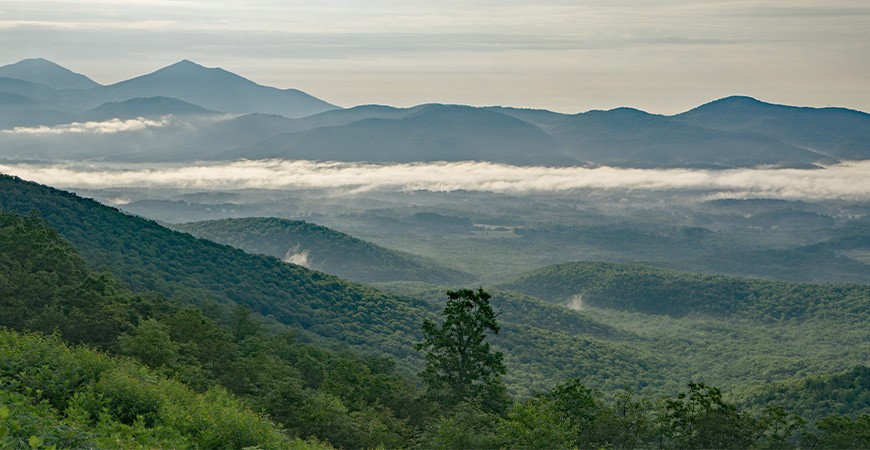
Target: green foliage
323	249
151	344
77	397
365	400
148	257
701	419
816	397
537	424
841	432
459	363
659	291
466	426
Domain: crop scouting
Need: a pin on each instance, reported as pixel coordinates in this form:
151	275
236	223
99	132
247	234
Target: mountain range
218	115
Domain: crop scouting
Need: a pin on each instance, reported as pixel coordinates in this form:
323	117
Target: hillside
846	393
144	107
67	397
323	249
545	343
431	133
147	256
42	71
652	290
46	287
837	132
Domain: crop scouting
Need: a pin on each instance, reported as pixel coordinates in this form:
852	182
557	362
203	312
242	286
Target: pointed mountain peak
48	73
186	63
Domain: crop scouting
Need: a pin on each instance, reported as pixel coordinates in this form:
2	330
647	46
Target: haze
662	56
841	181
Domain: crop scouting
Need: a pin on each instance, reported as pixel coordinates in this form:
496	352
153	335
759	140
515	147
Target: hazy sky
663	56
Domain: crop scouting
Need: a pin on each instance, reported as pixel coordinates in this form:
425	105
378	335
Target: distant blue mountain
836	132
273	123
144	107
42	71
216	89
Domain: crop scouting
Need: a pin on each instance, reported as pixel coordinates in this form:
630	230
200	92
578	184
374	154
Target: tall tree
459	363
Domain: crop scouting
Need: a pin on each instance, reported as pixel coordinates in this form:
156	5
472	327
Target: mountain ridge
47	73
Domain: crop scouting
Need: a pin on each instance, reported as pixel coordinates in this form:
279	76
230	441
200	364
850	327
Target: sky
662	56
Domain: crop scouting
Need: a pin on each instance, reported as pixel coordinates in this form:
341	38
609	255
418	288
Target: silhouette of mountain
217	89
143	107
836	132
45	72
427	133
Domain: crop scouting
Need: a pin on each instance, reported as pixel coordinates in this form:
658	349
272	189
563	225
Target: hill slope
144	107
216	89
659	291
42	71
323	249
838	132
431	133
148	257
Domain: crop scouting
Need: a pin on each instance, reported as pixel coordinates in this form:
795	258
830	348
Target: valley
261	255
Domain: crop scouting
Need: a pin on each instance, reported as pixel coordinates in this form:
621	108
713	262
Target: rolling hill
42	71
215	89
839	133
432	133
624	340
726	133
144	107
323	249
650	290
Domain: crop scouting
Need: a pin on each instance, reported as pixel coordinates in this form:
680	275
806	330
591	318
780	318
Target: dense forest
323	249
121	333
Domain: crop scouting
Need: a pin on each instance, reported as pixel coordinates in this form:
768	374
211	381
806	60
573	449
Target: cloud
107	127
840	181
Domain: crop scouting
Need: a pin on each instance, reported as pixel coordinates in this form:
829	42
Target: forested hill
149	257
323	249
846	393
547	344
46	287
651	290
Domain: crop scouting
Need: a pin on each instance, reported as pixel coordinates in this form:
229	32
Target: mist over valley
289	259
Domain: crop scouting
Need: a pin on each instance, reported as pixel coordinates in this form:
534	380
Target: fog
107	127
846	180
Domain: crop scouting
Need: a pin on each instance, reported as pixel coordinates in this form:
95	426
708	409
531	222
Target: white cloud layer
108	127
841	181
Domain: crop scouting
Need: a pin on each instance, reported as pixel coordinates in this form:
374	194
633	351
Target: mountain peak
216	89
187	63
48	73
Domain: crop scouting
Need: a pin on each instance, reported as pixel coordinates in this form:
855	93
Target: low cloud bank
107	127
848	180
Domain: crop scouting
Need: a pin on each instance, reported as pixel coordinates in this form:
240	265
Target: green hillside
55	396
845	393
547	346
49	397
149	257
652	290
323	249
642	348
